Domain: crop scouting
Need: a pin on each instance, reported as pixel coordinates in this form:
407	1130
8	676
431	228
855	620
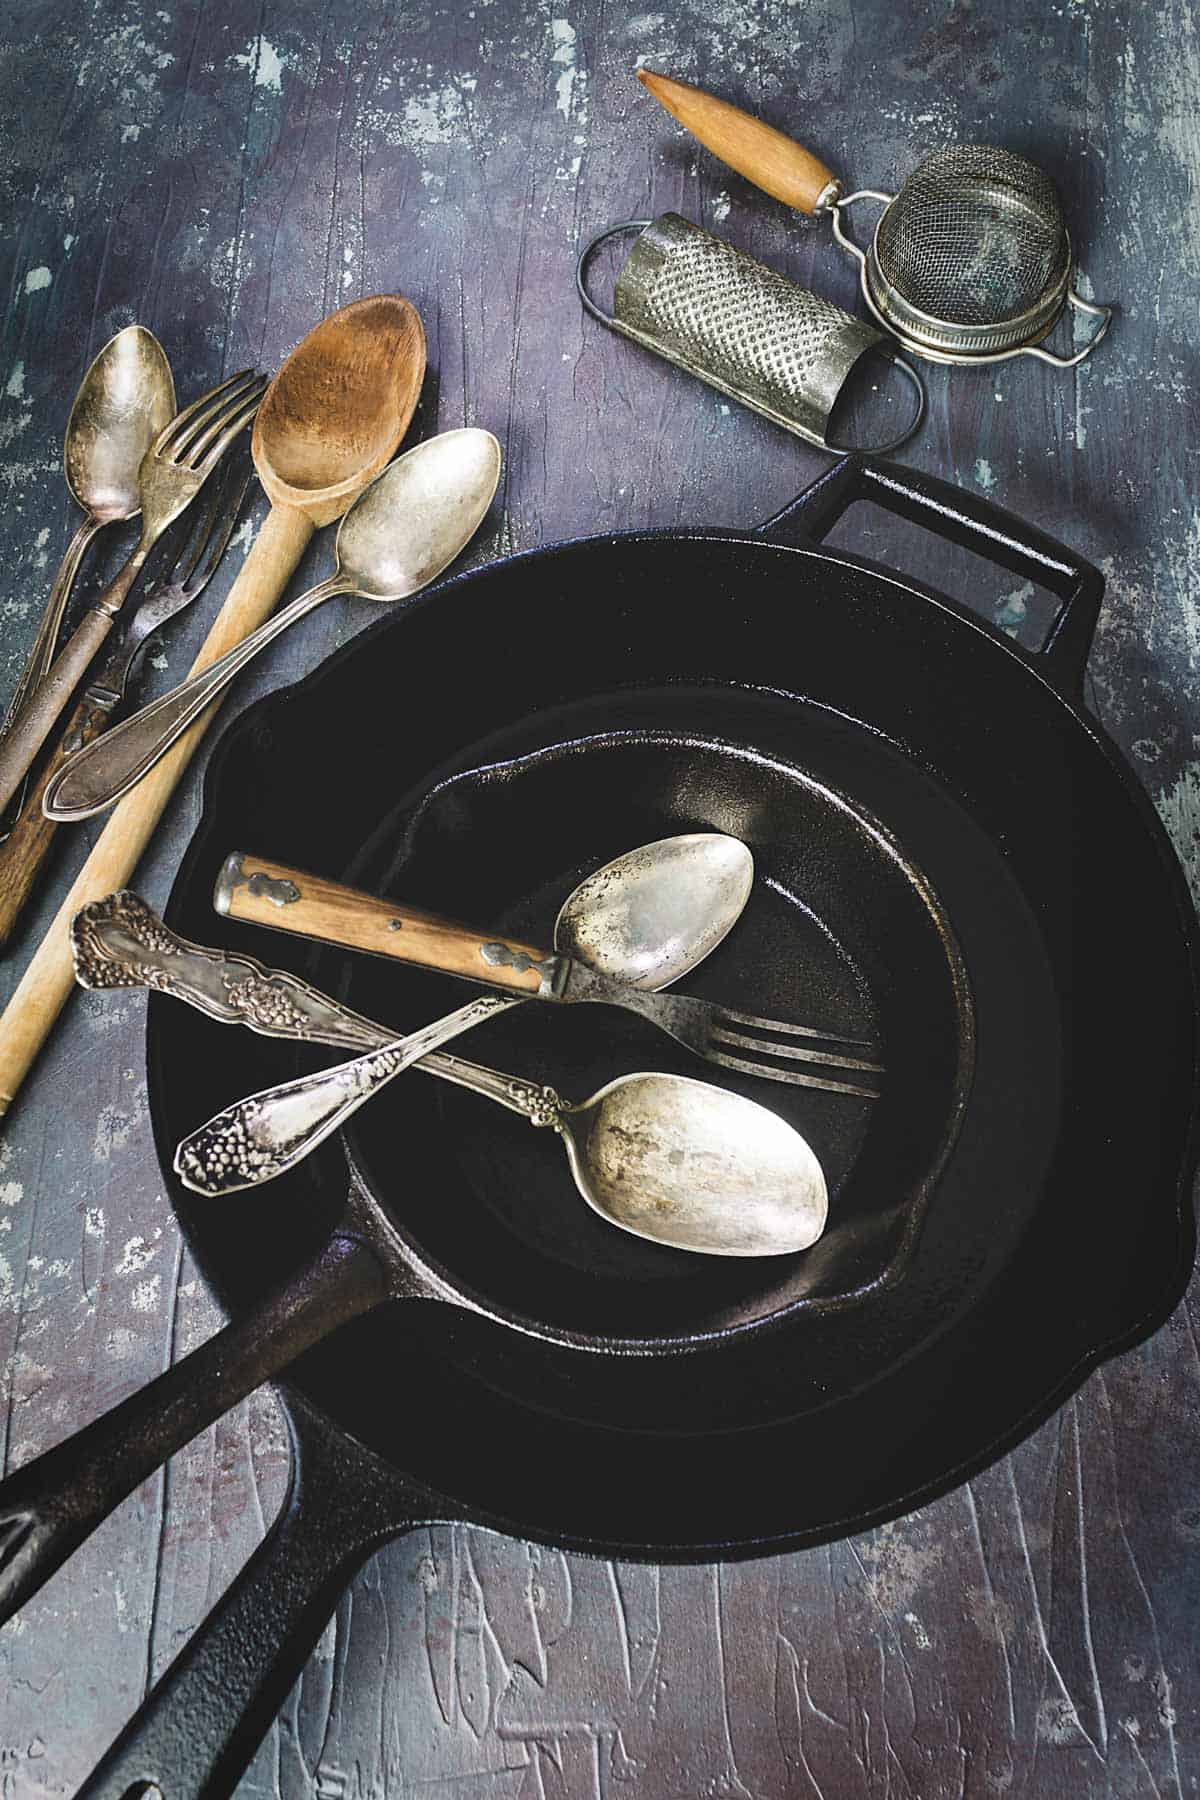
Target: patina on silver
170	475
971	261
402	531
744	329
118	942
124	400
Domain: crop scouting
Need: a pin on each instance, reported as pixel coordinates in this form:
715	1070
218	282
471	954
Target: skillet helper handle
966	519
197	1731
261	892
49	1506
772	161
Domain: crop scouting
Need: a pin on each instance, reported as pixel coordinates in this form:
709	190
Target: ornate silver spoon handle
120	942
263	1136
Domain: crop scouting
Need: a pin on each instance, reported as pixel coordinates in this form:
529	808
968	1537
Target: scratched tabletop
230	173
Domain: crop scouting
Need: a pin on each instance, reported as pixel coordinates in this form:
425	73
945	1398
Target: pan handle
49	1506
195	1734
974	523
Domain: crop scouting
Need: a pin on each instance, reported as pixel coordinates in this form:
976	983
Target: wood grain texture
228	176
771	160
262	892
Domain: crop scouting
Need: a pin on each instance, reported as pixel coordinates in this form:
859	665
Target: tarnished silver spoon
123	402
399	535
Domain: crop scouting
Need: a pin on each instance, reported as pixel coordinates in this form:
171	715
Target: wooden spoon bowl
339	407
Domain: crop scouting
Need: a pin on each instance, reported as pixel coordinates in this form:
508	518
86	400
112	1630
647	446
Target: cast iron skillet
1054	1229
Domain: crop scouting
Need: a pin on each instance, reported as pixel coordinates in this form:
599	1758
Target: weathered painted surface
227	174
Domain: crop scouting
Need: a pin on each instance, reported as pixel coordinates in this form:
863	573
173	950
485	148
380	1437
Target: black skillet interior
508	838
1057	1227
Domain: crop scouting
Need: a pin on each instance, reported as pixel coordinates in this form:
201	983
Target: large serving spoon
329	422
124	400
666	1157
398	536
50	1505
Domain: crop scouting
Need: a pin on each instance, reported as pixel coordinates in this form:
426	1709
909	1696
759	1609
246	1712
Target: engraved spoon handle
268	1133
104	771
120	942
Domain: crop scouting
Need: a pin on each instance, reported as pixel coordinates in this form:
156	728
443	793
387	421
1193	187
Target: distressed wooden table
228	174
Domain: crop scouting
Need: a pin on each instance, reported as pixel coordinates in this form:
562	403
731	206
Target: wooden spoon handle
50	977
763	155
262	892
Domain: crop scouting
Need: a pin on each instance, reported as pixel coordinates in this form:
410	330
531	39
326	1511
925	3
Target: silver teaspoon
403	530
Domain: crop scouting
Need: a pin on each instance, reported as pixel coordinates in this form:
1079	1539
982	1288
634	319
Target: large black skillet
1053	1228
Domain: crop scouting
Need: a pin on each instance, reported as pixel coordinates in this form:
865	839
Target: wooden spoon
328	423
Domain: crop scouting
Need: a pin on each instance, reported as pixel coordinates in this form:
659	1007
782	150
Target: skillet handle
195	1734
973	523
50	1505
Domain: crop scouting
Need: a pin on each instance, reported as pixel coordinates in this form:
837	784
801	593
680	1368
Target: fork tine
825	1037
172	429
741	1040
229	496
792	1076
213	442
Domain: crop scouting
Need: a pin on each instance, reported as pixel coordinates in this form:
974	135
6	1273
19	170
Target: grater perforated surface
740	326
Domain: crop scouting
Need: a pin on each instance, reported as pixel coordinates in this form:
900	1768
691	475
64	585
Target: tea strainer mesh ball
971	259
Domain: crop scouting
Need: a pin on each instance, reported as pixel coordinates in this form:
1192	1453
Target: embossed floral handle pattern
268	1133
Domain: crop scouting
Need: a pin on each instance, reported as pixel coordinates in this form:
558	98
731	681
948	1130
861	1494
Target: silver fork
198	560
173	471
193	560
263	892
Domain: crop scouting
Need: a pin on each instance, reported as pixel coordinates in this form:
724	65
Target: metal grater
739	326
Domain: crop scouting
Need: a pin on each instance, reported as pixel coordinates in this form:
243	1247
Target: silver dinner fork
174	469
261	891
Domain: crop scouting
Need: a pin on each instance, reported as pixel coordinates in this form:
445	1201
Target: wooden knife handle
261	892
24	849
763	155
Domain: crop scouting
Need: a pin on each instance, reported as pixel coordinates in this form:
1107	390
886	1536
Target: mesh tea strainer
969	263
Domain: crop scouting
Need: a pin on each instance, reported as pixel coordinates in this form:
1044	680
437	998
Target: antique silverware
616	916
328	423
397	538
171	474
123	402
198	552
969	263
268	893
